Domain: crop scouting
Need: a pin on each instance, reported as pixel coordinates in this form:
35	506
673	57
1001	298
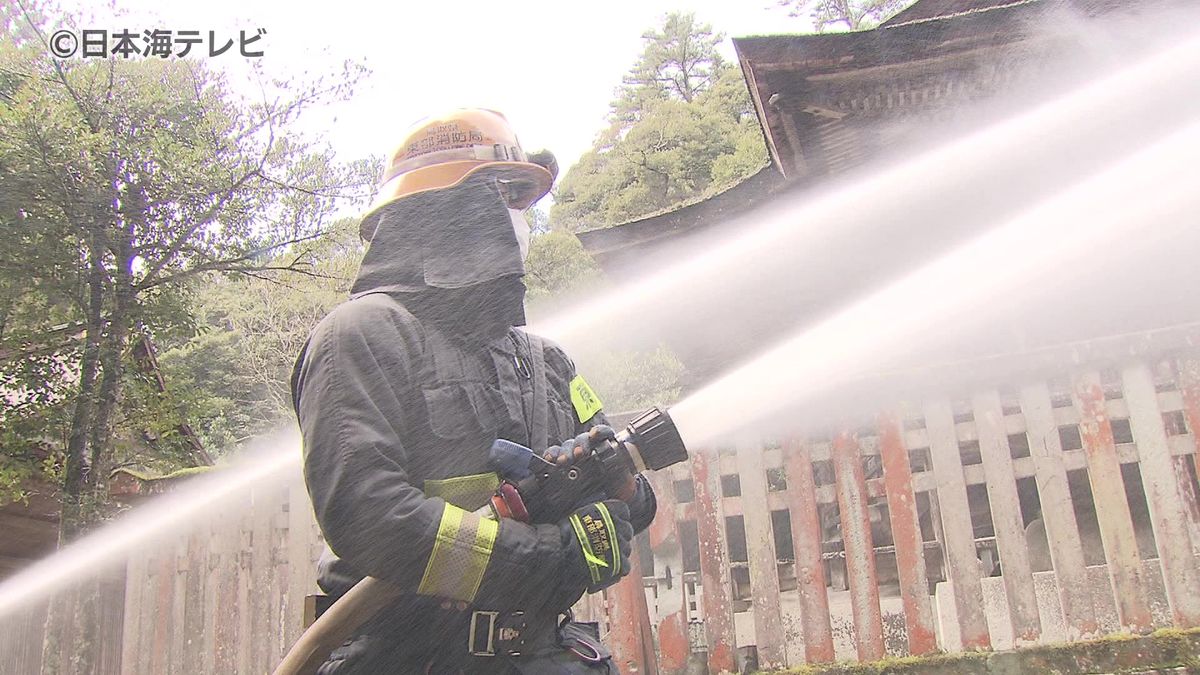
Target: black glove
597	539
574	449
620	485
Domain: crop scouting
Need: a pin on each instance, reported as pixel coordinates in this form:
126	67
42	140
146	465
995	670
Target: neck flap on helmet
450	238
454	252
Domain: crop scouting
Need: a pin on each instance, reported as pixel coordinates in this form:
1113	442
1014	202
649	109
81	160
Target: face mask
522	230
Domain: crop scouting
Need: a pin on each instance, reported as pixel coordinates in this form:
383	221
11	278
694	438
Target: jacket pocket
452	413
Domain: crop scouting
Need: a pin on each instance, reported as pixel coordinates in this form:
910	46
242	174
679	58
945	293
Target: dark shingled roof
932	9
836	104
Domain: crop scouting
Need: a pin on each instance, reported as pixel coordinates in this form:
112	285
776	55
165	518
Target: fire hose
531	490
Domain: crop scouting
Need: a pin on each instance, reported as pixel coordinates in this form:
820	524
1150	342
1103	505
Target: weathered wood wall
226	597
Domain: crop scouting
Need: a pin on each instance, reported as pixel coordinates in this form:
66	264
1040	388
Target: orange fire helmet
443	151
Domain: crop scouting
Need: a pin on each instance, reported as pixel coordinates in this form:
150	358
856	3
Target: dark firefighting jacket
398	407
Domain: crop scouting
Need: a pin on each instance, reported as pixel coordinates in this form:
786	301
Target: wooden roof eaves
757	93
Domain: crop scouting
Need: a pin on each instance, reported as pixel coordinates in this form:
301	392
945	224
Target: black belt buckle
498	633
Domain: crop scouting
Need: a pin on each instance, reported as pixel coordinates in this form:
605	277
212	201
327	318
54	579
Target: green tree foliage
633	380
836	15
682	127
679	61
233	376
558	264
123	183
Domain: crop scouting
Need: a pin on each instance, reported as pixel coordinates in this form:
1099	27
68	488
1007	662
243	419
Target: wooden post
632	651
959	533
1167	513
714	565
1058	512
228	620
1006	517
301	572
1189	387
178	549
194	600
760	545
131	640
163	588
244	637
906	535
806	540
673	644
260	578
860	549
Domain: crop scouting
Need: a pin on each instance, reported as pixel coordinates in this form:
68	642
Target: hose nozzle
654	441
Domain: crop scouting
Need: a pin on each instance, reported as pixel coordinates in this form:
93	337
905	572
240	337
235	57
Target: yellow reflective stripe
465	492
586	402
460	555
586	546
612	537
485	538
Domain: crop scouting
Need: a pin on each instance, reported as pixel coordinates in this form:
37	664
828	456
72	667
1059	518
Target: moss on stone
174	475
1117	653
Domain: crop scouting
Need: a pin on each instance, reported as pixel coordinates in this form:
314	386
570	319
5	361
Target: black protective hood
452	238
452	258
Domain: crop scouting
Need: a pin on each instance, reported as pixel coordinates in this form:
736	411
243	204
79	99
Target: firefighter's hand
597	540
574	450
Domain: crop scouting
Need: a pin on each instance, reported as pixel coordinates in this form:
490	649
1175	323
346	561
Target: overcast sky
551	67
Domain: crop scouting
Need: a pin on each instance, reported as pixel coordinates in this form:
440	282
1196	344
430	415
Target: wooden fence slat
146	617
959	533
673	645
1188	369
160	611
760	544
301	577
193	616
1058	513
906	536
1188	496
228	621
131	641
112	620
1167	513
179	606
1189	386
632	651
1006	517
714	564
859	547
260	578
806	540
279	585
22	639
243	642
212	598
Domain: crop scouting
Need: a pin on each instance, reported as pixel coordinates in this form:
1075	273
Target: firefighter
401	390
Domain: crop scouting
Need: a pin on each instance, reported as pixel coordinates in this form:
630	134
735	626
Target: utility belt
436	639
486	640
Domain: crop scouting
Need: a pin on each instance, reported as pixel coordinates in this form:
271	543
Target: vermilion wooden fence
1038	510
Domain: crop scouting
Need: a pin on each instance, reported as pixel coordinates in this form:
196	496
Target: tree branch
235	264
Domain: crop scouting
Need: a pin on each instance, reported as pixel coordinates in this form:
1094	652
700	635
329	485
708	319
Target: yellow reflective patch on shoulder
586	402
